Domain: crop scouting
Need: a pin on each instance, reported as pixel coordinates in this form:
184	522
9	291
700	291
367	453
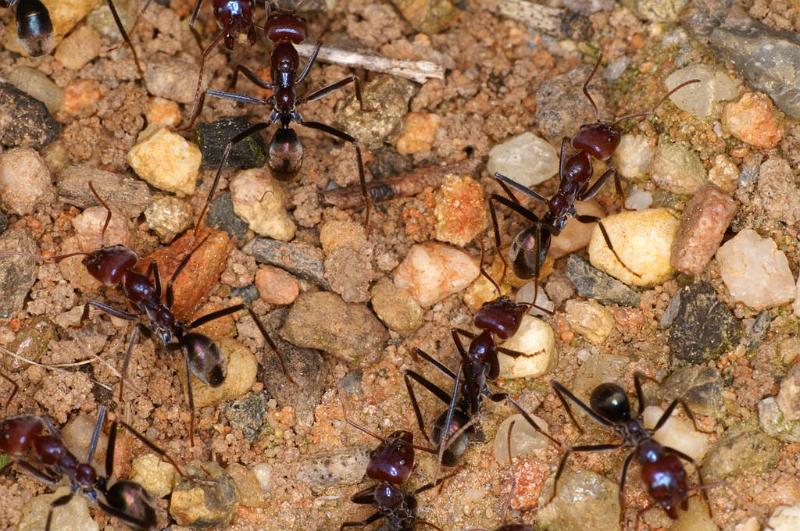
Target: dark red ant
661	469
115	266
285	30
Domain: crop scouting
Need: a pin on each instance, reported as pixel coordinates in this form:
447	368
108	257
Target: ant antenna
373	434
511	467
487	275
64	256
586	85
657	105
108	216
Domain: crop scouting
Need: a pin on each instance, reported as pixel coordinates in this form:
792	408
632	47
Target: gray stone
18	269
594	284
214	137
206	497
168	216
656	10
172	78
247	414
395	307
221	216
774	422
32	339
759	330
344	467
700	387
778	191
24	120
584	500
561	106
300	259
3	222
749	452
598	369
703	327
125	194
677	168
349	273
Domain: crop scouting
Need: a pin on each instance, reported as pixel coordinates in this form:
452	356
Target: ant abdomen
132	500
285	154
34	27
452	455
205	360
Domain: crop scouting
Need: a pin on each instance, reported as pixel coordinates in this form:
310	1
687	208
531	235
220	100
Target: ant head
388	496
393	460
109	264
286	27
34	27
524	253
285	153
86	476
599	139
452	455
205	360
610	402
501	316
132	504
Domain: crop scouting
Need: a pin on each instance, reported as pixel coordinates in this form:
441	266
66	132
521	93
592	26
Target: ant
597	140
661	469
34	26
115	266
285	30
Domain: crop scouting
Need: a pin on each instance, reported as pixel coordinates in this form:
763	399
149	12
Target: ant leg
324	91
359	161
668	412
98	425
58	502
574	449
363	523
563	393
124	371
503	180
516	207
42	476
451	407
589	192
125	36
436	363
252	76
147	442
532	422
311	60
110	310
623	476
13	393
190	397
437	391
271	344
213	316
199	98
178	270
152	271
594	219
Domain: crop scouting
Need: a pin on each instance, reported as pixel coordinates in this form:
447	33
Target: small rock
18	269
155	475
748	524
221	216
634	155
559	288
536	341
323	321
260	200
432	271
247	486
778	191
758	331
752	120
643	240
576	235
676	433
525	158
724	173
89	229
702	227
169	216
248	414
775	424
24	120
460	210
656	10
590	319
386	100
102	21
584	500
598	369
207	503
276	286
594	284
74	516
700	388
418	134
33	338
77	436
638	200
241	372
166	161
80	48
336	234
703	327
525	439
562	107
430	16
215	136
699	99
298	258
24	181
349	273
81	97
163	113
677	169
785	518
738	453
755	272
173	79
542	303
789	395
343	467
35	83
395	307
124	194
697	517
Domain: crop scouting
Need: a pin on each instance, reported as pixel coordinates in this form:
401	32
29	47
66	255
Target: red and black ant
115	266
661	469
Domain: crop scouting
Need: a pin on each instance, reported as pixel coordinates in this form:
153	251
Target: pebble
677	168
598	369
703	327
30	123
562	107
207	503
634	155
3	222
79	48
525	158
536	340
738	453
221	216
559	288
33	338
248	414
298	258
124	194
576	235
775	424
213	137
74	516
525	439
260	200
418	134
724	173
337	234
460	210
155	475
433	271
166	161
89	229
785	518
656	10
343	467
35	83
755	272
584	500
703	224
590	319
173	79
349	274
241	372
247	486
81	97
699	386
164	113
395	307
700	99
639	200
778	191
386	100
276	286
18	269
677	433
525	295
789	395
594	284
752	120
643	240
323	321
77	435
431	16
24	181
168	216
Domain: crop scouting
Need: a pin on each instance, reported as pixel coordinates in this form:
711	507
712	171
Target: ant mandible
661	469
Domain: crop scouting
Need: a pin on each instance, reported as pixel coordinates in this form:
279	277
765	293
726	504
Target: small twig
418	71
403	185
557	22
